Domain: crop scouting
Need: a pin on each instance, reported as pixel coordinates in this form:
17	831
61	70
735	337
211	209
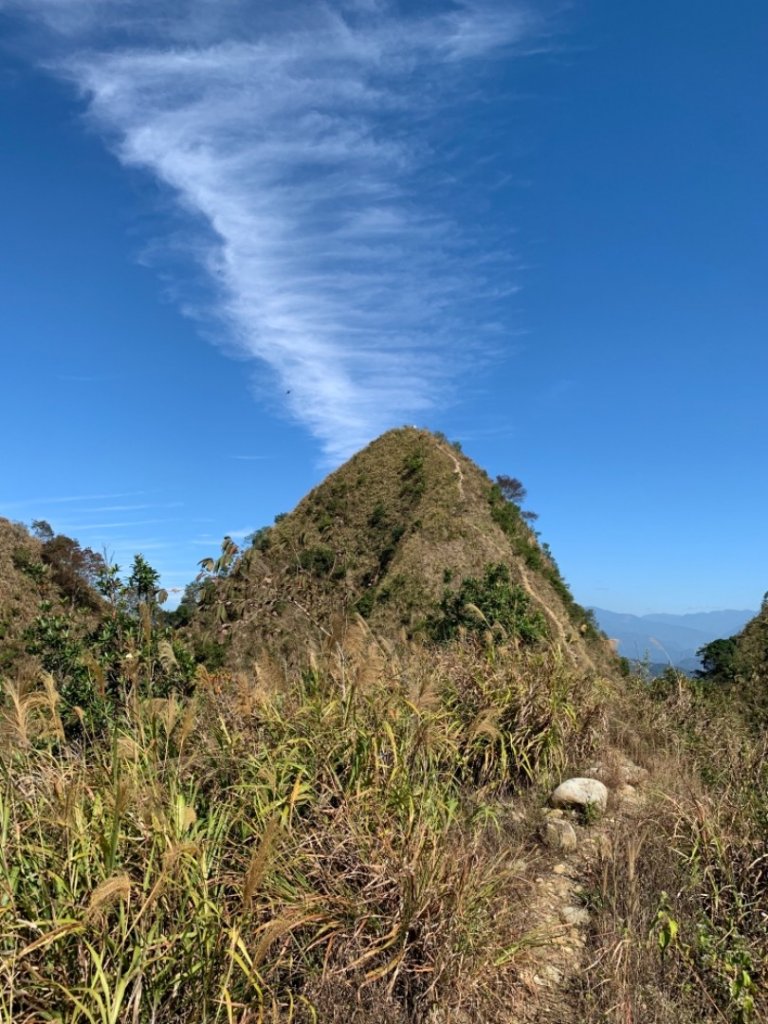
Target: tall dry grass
680	894
326	847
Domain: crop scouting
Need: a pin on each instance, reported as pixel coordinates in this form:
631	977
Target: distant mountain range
669	639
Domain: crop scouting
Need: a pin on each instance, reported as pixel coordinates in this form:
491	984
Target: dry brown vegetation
19	598
679	900
344	824
359	842
331	846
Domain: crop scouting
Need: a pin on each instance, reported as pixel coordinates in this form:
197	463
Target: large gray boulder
581	794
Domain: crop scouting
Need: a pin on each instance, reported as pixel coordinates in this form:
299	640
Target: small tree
513	491
74	569
718	660
42	529
108	584
143	579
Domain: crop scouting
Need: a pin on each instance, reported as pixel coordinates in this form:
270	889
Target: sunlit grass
273	849
680	898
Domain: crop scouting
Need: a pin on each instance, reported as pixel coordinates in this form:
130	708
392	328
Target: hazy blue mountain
719	623
669	639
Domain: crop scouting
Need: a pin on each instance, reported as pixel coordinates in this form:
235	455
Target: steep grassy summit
409	534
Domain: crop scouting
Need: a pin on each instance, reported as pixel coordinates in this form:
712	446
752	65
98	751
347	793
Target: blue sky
239	244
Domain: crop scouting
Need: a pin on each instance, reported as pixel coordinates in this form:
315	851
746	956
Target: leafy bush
364	605
413	464
64	654
318	561
95	664
481	604
378	517
23	560
261	539
718	660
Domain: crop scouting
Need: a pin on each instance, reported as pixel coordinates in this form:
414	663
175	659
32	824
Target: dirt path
554	947
580	658
456	468
559	628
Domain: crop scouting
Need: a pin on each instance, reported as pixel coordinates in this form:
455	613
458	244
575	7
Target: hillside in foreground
384	771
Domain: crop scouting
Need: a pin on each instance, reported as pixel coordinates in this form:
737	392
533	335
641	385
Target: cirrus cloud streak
305	143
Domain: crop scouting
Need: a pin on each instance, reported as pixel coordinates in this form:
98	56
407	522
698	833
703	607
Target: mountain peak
400	534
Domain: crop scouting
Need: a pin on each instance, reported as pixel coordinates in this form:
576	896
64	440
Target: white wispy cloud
298	134
86	527
62	500
134	508
241	533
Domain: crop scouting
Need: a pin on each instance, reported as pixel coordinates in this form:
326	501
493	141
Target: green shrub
24	562
64	655
317	560
261	539
413	464
364	605
481	604
378	516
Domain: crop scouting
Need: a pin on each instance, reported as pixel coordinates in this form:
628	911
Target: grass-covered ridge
392	536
